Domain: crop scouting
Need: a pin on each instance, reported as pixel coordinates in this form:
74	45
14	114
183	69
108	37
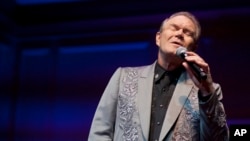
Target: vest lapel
144	98
181	92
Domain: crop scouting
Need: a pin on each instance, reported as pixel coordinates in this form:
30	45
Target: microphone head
180	51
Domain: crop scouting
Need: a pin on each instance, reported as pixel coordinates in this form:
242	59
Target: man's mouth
177	43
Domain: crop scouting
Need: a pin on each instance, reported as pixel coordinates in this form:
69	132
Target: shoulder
143	71
137	69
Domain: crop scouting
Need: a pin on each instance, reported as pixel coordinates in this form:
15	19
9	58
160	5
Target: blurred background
57	56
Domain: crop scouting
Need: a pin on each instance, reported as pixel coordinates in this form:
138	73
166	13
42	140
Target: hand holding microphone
182	53
197	68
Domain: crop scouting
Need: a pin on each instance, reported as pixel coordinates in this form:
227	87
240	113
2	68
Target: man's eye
189	33
174	28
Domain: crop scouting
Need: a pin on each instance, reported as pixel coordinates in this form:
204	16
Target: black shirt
163	88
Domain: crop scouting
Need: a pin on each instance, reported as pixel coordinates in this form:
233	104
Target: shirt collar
160	71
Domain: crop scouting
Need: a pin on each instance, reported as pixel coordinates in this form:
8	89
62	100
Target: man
164	101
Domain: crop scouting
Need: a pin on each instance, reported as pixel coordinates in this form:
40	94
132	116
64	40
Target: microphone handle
199	71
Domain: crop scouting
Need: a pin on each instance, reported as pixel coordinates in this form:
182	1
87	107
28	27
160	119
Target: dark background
56	57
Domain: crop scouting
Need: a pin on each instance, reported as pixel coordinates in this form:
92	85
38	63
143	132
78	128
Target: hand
206	86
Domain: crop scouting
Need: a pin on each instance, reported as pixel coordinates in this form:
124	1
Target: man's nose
179	33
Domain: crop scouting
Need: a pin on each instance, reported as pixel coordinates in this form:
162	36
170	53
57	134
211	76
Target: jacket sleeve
102	127
213	125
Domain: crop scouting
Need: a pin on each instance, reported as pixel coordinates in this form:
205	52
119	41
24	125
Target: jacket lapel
145	86
182	90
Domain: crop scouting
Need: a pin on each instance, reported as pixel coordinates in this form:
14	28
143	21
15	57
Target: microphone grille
180	50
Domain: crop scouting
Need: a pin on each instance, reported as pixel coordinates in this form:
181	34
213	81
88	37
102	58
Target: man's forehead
180	20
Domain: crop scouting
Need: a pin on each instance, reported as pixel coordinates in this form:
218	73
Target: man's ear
157	38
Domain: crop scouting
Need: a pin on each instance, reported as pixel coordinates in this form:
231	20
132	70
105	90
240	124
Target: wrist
207	86
207	91
204	96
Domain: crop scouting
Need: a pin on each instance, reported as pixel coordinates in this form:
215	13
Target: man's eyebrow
173	24
185	28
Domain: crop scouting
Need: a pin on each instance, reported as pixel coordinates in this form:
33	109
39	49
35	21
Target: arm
213	126
102	128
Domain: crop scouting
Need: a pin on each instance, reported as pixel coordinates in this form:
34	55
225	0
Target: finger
193	56
197	60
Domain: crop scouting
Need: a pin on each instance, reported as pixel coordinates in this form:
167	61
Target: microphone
181	52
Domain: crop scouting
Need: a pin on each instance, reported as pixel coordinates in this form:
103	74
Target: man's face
176	31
